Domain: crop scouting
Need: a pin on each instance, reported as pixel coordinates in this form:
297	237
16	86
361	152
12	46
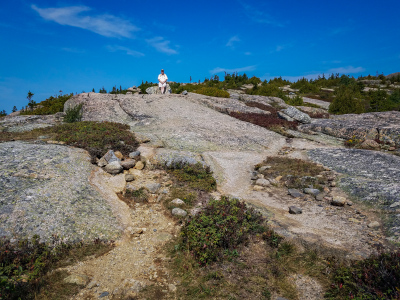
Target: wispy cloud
279	48
161	45
126	50
232	40
105	25
248	53
347	70
257	15
244	69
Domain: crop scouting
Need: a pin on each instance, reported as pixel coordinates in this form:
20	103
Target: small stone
153	187
113	168
128	163
179	212
349	203
258	188
178	201
102	162
310	191
254	175
338	201
395	204
326	189
263	182
295	193
369	144
77	279
374	224
104	294
129	177
278	178
264	168
172	288
392	148
354	220
320	197
118	154
155	230
92	284
139	165
110	156
333	184
295	210
134	154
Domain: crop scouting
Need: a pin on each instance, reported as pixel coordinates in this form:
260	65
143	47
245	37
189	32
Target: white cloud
161	45
248	53
279	48
347	70
106	25
232	40
244	69
126	50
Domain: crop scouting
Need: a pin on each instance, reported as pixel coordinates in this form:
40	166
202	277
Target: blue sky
74	46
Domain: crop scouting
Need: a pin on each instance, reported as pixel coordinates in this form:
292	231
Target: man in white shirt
162	81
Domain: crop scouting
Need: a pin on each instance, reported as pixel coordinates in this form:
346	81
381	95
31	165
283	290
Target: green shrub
347	101
295	101
97	137
144	86
217	231
212	91
377	277
197	176
73	114
24	264
49	106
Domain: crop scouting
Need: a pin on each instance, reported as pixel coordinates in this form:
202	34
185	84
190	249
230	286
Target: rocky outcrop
296	114
384	126
20	123
156	90
45	190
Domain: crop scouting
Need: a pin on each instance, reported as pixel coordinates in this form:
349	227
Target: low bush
377	277
347	101
217	231
24	264
196	176
73	114
49	106
212	91
295	101
97	137
264	120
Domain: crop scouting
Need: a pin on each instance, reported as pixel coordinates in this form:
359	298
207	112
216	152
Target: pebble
104	294
179	212
295	193
178	201
139	165
129	177
134	154
311	191
258	188
338	201
294	210
373	224
263	182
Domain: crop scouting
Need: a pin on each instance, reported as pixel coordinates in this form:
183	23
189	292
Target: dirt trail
138	258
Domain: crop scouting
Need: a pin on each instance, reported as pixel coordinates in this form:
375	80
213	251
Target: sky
74	46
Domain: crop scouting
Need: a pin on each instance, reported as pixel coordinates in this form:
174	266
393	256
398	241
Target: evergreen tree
14	109
31	103
347	101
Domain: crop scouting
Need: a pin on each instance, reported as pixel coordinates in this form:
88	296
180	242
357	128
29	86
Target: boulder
153	187
295	193
297	115
156	90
